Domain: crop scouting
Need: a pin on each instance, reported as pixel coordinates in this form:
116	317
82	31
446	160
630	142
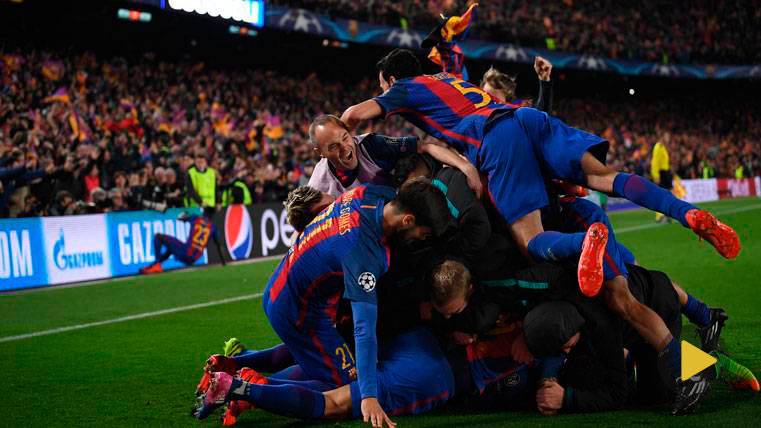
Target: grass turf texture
143	372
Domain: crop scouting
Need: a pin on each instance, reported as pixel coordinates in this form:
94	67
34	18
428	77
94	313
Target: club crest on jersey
239	234
367	281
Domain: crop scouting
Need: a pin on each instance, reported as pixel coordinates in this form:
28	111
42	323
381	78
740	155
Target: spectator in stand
201	183
116	127
703	31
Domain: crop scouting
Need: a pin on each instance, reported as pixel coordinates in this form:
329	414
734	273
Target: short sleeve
386	151
362	267
397	97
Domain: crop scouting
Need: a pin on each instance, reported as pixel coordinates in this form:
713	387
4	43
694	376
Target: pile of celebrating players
471	273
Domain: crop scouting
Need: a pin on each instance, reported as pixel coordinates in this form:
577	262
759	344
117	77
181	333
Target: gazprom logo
64	260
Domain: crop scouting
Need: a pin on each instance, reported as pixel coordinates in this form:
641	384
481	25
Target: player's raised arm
543	70
357	113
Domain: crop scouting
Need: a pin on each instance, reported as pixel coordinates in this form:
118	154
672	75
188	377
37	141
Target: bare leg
338	403
599	176
680	293
525	229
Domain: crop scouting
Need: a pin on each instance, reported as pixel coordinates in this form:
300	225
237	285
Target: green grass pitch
142	371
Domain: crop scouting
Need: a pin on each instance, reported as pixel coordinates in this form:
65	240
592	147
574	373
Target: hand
373	413
519	350
549	397
461	338
474	180
543	68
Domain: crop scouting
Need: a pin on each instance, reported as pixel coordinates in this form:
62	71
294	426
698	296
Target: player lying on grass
349	161
588	375
340	254
468	119
471	309
201	230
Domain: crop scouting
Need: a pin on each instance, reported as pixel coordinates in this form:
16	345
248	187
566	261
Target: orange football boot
590	262
718	234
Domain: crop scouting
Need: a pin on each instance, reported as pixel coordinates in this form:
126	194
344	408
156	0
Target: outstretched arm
543	70
450	157
357	113
365	318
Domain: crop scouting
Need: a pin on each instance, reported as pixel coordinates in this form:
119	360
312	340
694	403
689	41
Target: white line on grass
130	277
130	317
257	295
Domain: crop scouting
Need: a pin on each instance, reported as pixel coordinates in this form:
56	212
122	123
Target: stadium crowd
84	134
702	32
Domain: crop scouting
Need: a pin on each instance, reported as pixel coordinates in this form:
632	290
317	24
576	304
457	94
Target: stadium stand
81	134
701	32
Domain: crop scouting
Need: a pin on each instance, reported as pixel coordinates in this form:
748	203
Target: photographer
153	196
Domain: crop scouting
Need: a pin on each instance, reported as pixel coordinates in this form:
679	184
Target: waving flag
13	62
80	131
220	120
52	70
129	106
61	95
445	51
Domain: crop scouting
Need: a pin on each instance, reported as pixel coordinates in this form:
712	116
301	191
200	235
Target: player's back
311	275
444	106
201	230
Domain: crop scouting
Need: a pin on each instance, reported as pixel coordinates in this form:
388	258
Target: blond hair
299	204
500	81
449	280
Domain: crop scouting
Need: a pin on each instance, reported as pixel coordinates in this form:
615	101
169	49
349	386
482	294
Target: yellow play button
694	360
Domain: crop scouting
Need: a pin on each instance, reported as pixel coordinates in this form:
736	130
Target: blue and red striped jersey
201	229
444	106
342	252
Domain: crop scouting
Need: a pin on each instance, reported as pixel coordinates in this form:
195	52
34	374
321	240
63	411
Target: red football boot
154	268
215	363
718	234
590	262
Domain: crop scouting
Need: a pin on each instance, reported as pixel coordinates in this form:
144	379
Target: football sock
294	372
157	246
670	362
314	385
697	312
552	246
287	400
268	360
647	194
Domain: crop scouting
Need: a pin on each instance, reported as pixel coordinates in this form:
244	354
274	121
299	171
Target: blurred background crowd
697	31
81	134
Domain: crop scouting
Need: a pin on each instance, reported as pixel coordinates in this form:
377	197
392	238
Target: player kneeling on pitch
340	253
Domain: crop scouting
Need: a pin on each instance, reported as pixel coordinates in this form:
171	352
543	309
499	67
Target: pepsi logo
239	234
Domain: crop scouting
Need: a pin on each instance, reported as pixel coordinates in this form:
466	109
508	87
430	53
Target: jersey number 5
485	98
